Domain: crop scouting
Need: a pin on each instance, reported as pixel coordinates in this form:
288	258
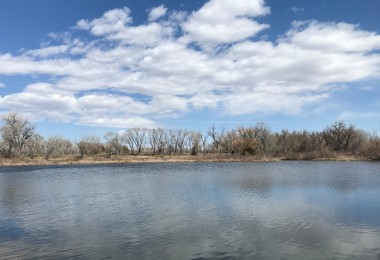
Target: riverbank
71	160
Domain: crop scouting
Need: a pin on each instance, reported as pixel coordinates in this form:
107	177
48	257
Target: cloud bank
112	72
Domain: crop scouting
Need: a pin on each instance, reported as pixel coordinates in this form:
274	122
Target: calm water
282	210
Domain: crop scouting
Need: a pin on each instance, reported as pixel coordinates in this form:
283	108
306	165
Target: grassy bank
69	160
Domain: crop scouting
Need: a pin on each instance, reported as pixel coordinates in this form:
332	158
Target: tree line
19	139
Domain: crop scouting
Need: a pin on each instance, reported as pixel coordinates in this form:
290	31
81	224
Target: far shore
70	160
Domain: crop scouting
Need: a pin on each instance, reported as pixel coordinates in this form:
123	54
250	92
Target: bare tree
95	146
161	140
18	138
113	143
139	138
204	143
180	140
135	138
171	141
127	138
339	136
34	146
58	146
196	142
261	134
216	138
15	132
228	140
153	140
246	142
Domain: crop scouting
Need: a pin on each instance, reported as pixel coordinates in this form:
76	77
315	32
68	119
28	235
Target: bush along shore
21	144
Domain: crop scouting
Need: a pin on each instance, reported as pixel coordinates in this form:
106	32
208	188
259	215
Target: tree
261	134
58	146
113	143
204	142
246	142
15	132
195	139
180	140
339	137
216	138
34	146
89	145
161	140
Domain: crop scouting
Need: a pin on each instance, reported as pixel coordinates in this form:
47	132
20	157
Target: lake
269	210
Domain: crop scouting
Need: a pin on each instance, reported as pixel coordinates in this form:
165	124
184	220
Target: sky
86	67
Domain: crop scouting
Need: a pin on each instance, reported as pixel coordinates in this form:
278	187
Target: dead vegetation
20	144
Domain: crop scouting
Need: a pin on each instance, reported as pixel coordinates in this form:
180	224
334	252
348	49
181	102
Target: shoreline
162	159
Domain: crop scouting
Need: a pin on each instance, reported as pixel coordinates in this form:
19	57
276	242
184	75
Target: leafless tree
153	136
58	146
180	140
161	140
216	138
196	142
135	139
262	134
89	145
139	139
34	146
19	138
15	132
339	136
113	143
204	143
246	142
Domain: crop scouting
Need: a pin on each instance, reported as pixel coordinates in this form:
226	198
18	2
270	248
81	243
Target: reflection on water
282	210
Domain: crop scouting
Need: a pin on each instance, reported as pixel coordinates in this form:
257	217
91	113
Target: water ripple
284	210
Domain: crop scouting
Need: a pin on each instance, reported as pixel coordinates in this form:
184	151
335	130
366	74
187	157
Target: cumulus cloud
332	37
115	25
225	21
48	51
156	13
136	75
2	85
111	21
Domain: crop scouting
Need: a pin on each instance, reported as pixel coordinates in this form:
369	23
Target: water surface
279	210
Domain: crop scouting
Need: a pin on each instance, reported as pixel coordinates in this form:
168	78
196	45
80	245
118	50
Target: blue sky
78	68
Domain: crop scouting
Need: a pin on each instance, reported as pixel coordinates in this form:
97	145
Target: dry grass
68	160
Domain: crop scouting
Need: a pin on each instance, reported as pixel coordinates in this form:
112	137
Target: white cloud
48	51
296	9
55	107
136	74
156	13
24	65
40	101
268	103
111	21
225	21
117	122
169	104
115	25
2	85
149	34
332	37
